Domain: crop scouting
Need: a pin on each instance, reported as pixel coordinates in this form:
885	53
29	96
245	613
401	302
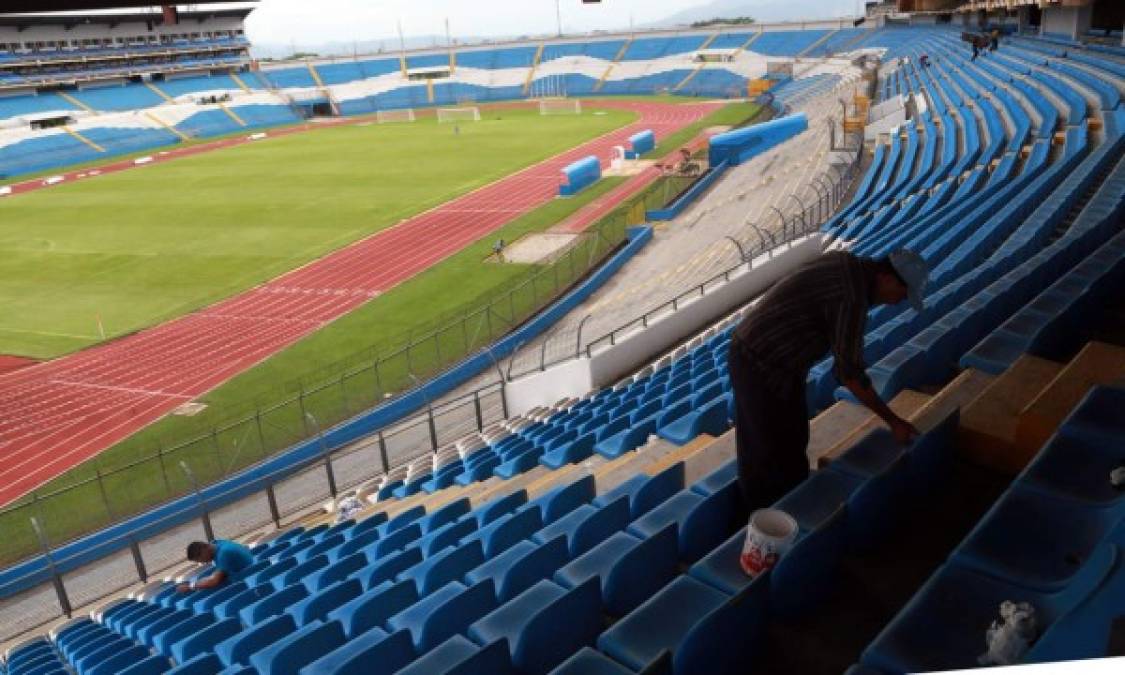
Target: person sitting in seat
228	557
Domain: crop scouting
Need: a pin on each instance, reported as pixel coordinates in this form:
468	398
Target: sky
320	21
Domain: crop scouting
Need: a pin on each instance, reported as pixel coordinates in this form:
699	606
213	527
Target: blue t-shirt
231	557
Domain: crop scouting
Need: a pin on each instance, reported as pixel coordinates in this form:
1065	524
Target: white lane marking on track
130	390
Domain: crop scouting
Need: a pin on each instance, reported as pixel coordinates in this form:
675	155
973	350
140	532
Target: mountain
764	11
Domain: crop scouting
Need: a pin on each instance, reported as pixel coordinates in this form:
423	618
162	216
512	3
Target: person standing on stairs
820	308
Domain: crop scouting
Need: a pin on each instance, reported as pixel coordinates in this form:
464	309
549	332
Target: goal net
560	106
469	114
404	115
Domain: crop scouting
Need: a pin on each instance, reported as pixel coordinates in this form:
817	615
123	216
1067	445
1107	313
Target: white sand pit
630	167
537	248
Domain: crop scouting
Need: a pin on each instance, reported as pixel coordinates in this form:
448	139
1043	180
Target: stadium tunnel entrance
316	107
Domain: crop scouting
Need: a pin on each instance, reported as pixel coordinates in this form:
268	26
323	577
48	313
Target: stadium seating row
1053	539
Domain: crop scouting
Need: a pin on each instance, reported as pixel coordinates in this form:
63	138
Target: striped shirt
819	308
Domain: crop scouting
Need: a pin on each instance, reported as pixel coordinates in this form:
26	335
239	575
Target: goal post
466	114
560	106
400	115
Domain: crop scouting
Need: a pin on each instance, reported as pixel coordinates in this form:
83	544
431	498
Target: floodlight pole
558	17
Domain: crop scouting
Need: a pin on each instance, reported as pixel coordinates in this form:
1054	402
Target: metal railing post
477	410
578	340
204	514
271	498
383	452
327	456
56	578
429	412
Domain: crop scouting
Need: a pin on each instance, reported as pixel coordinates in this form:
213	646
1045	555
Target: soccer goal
404	115
469	114
560	106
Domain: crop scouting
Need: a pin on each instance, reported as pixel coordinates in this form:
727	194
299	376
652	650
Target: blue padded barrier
735	147
640	143
579	175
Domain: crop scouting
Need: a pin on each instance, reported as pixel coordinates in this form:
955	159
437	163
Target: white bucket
769	535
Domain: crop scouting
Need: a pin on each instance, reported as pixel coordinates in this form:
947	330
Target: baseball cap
914	272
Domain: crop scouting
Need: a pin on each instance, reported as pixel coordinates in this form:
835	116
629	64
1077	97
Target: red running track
57	414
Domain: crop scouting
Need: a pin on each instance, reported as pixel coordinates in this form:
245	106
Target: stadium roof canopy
42	6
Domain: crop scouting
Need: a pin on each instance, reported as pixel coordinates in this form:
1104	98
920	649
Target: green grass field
145	245
135	479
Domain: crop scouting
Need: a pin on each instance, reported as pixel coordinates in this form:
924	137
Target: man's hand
183	588
903	431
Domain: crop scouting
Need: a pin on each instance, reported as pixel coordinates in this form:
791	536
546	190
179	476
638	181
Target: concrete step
1097	363
988	422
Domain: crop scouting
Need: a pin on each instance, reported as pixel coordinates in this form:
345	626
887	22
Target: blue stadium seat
590	662
316	606
153	665
718	478
706	630
459	656
710	418
543	625
1037	540
291	653
646	492
587	526
445	515
205	640
373	652
386	569
374	607
702	522
630	570
230	608
238	648
206	664
337	571
276	603
454	616
119	661
943	625
449	565
447	535
817	498
505	532
163	642
395	540
561	500
521	566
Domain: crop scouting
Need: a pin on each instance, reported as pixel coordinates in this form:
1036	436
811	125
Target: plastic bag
1010	636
